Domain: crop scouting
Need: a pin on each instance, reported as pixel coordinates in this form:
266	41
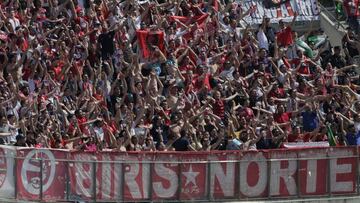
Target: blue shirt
353	139
310	120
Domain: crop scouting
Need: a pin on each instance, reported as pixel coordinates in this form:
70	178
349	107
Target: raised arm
293	20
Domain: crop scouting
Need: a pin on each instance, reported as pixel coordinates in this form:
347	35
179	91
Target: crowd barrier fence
62	175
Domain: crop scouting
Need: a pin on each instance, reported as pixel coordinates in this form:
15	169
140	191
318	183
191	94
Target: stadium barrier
61	175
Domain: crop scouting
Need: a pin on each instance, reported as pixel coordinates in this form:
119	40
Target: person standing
353	13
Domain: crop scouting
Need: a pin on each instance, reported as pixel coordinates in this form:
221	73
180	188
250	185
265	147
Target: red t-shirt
304	69
283	118
352	7
286	62
200	82
71	129
84	128
247	112
219	108
279	93
299	137
186	68
285	37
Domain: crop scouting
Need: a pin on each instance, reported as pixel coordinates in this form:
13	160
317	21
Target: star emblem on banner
190	176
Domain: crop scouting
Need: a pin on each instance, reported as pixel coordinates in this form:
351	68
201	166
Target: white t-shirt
227	74
357	126
14	23
99	133
263	41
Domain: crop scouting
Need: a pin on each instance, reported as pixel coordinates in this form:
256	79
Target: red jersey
283	118
219	108
84	128
304	69
279	93
352	7
285	37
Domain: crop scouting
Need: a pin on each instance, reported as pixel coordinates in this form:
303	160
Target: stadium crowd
178	75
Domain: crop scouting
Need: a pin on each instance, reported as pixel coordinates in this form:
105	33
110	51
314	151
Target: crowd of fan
72	76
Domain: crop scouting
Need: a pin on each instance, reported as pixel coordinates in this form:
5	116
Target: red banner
342	173
199	20
312	169
148	39
164	177
224	175
193	179
7	180
52	174
253	174
187	176
137	176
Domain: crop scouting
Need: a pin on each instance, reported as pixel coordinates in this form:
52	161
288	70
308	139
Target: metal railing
330	15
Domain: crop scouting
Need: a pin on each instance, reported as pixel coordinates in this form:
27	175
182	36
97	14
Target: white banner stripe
307	10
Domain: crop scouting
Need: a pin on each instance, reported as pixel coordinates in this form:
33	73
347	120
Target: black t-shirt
154	132
352	49
107	42
337	61
263	143
19	145
181	144
209	127
270	33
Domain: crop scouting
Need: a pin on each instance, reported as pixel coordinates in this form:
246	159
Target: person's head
11	117
243	121
12	13
226	19
134	140
244	136
296	130
275	132
246	103
357	106
161	146
281	24
227	65
174	90
295	35
271	101
280	109
233	23
329	66
143	26
351	128
217	95
79	113
99	123
308	107
350	32
292	93
176	117
20	140
205	142
164	104
3	120
356	118
337	50
299	53
267	21
262	53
